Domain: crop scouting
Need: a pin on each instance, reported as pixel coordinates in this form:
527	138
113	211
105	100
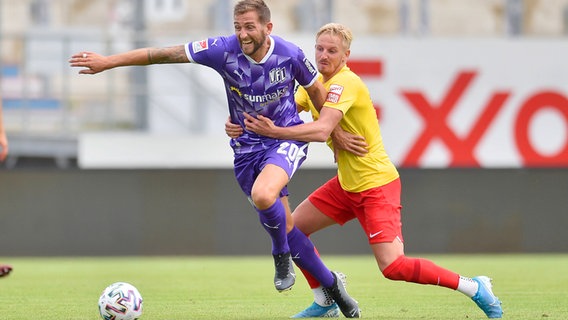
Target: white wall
486	103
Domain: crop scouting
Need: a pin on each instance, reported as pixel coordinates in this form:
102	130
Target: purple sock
273	220
305	257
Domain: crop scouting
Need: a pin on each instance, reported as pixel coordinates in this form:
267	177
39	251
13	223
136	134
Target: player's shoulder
348	73
229	42
282	45
347	76
222	43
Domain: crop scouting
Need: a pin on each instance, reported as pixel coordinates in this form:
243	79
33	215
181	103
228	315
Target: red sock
421	271
311	280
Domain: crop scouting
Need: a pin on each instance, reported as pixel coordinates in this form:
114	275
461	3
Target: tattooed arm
94	63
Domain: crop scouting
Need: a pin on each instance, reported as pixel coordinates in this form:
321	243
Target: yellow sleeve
302	99
341	97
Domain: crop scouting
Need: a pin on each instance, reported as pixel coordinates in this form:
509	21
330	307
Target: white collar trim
268	53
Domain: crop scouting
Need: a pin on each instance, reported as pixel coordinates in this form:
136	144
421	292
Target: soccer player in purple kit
259	72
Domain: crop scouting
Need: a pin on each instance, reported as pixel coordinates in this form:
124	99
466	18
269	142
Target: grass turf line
530	286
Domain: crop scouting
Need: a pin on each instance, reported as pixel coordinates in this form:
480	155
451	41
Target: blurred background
472	97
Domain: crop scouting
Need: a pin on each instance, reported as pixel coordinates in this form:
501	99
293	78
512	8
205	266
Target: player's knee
396	270
393	275
263	199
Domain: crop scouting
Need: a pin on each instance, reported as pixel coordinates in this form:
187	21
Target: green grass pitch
530	286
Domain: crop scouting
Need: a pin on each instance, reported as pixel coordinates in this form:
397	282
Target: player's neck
326	77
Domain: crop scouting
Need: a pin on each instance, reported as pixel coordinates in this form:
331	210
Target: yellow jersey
348	94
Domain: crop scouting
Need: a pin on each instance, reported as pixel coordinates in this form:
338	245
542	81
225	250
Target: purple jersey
265	88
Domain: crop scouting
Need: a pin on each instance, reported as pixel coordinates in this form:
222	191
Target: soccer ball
120	301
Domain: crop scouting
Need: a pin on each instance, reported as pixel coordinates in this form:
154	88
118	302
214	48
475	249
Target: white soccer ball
120	301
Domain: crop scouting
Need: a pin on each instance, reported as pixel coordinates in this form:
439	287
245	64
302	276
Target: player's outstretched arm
93	63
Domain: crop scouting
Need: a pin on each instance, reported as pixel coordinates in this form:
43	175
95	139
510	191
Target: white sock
467	286
322	297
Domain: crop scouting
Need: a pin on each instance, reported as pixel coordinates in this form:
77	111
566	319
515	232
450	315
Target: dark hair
259	6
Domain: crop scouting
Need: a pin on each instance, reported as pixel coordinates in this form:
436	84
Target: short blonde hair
336	29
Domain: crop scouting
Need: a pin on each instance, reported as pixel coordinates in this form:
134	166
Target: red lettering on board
436	123
539	101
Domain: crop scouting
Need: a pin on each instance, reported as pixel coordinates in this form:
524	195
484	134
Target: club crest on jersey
277	75
198	46
334	93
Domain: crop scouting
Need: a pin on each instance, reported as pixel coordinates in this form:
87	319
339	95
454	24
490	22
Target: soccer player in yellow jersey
367	186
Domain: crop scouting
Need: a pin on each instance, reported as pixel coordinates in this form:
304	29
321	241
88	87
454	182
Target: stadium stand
45	102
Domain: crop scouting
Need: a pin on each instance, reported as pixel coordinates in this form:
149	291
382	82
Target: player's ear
347	54
269	26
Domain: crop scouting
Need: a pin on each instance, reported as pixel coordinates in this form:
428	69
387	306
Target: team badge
277	75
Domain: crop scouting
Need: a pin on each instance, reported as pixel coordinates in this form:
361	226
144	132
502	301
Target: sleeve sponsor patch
334	93
310	67
198	46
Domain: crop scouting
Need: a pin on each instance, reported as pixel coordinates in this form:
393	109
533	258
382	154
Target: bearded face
252	35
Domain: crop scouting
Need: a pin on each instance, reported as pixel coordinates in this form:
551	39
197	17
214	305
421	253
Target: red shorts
377	209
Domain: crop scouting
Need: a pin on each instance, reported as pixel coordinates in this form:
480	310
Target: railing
45	102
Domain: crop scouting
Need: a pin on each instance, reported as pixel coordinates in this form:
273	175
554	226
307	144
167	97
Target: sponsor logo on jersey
334	93
335	88
198	46
310	67
235	89
266	98
263	98
277	75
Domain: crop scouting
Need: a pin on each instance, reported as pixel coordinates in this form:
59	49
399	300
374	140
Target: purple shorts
287	154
